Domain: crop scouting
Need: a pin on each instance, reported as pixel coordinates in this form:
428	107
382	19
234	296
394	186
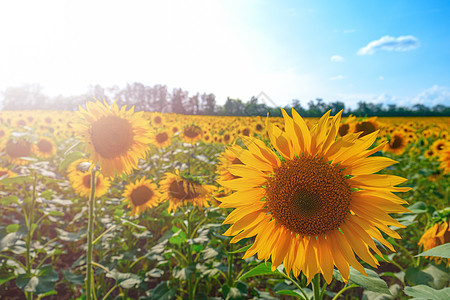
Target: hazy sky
379	51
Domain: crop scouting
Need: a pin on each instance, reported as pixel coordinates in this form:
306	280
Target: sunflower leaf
261	269
439	251
426	292
371	282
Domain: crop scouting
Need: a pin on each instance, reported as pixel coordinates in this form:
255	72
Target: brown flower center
365	127
112	136
396	142
183	190
141	195
18	148
162	137
192	131
343	129
308	196
45	146
87	181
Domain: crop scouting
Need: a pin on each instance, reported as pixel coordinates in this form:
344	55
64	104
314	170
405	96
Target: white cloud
433	96
381	77
389	43
339	77
337	58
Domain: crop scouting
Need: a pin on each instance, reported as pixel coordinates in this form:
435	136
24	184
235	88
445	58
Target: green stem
316	286
413	259
230	266
343	290
105	232
109	292
29	295
15	260
90	235
296	284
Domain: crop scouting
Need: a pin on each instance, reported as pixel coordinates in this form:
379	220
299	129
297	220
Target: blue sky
378	51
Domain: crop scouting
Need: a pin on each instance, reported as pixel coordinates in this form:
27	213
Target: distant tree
208	104
179	97
233	107
28	96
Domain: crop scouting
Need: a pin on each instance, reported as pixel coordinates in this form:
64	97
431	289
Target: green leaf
125	280
416	276
47	194
243	249
9	200
426	292
42	283
73	278
183	273
70	236
6	276
440	274
259	270
439	251
370	282
178	238
418	207
290	293
70	158
126	222
56	213
12	228
162	292
17	180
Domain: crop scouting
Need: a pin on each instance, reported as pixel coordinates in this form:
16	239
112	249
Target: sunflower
367	126
161	139
315	202
115	138
347	126
45	147
397	143
141	195
81	183
191	133
179	191
436	235
16	149
439	146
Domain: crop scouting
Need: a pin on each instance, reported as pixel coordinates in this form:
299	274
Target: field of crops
208	207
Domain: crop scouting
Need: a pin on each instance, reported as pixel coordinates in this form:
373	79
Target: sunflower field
109	203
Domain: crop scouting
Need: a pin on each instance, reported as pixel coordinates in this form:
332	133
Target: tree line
160	98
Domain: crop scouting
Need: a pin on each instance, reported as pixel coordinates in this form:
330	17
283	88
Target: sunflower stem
29	295
295	283
316	286
90	235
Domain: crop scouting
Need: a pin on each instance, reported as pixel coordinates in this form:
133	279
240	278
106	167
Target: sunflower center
19	148
162	137
45	146
396	142
365	127
343	129
192	131
246	131
87	181
259	127
112	136
177	190
141	195
308	196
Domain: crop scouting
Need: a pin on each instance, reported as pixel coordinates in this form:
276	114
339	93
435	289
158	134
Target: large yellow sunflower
179	191
141	195
315	202
115	138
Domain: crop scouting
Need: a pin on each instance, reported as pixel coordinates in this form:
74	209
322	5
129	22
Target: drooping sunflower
81	183
179	191
315	202
16	149
141	195
436	235
397	143
115	138
45	147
